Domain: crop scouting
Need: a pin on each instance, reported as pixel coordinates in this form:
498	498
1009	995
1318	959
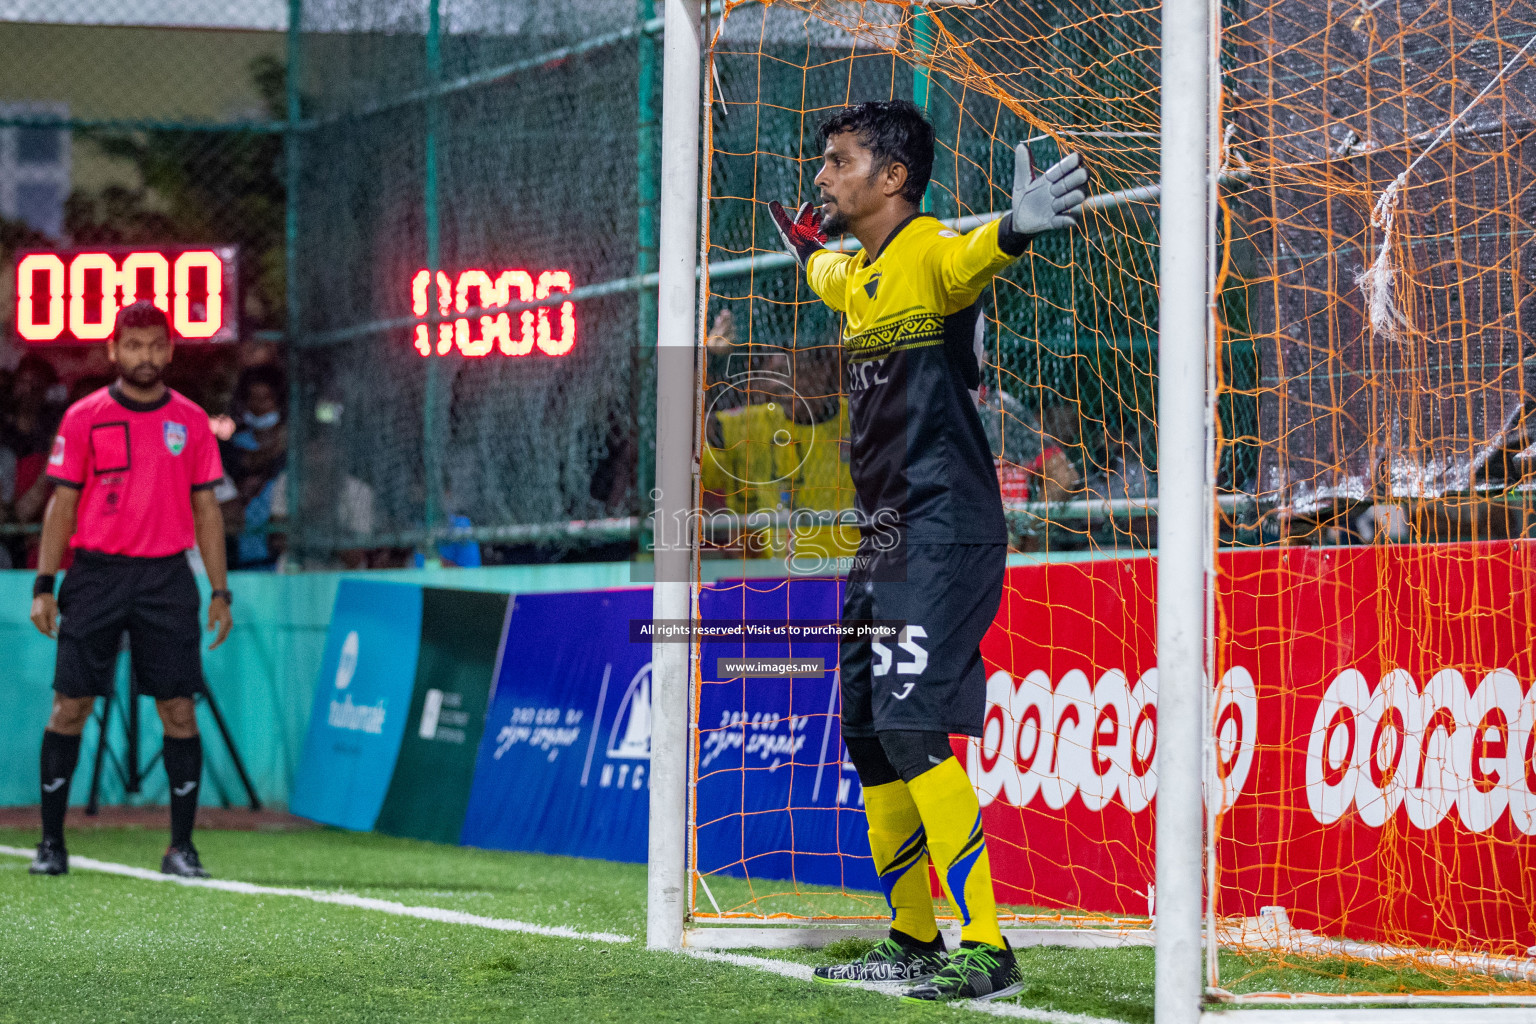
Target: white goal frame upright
1189	170
676	329
1185	923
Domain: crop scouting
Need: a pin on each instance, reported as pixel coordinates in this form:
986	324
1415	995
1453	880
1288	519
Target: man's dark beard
145	375
835	223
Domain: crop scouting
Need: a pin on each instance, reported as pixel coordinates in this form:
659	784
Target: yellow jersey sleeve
965	264
827	273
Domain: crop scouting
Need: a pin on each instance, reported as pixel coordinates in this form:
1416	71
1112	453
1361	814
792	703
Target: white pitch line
802	972
783	968
343	899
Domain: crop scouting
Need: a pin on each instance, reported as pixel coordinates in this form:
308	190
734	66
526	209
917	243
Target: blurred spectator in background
1125	473
7	478
261	437
784	448
811	436
462	553
254	458
343	509
1031	446
88	385
1053	477
1013	434
27	426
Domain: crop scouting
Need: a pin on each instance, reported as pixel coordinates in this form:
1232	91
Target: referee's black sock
60	754
184	768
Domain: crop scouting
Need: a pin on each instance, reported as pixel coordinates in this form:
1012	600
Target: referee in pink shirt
135	465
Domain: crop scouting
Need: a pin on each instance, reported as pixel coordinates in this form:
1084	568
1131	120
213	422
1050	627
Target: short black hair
262	373
141	314
39	366
895	131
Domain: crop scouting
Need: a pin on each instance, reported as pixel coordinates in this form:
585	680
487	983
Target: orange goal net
1371	768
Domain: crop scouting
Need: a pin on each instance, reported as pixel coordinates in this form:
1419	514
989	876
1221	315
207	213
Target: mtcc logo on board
629	739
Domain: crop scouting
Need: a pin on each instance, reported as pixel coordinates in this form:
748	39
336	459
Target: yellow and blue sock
951	817
900	847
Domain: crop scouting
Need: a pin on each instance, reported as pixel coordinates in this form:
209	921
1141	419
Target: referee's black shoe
183	861
51	859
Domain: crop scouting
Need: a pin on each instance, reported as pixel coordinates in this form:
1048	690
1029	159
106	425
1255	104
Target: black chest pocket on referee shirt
109	448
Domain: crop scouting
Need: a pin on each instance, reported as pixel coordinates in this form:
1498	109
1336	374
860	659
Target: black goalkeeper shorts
154	599
932	679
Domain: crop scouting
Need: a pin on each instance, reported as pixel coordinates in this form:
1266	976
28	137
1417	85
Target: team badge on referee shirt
175	437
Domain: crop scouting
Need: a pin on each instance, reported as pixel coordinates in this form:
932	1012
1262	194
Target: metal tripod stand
128	767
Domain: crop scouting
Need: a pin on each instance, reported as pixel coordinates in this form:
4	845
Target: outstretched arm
1041	202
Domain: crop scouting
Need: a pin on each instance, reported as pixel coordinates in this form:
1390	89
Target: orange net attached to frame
1371	785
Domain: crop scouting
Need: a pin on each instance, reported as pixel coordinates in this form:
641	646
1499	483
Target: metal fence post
292	174
647	189
922	78
431	442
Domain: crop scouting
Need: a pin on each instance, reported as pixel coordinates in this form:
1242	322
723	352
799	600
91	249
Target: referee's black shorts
931	680
154	599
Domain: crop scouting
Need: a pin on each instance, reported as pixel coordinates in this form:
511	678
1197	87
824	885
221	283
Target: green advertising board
460	637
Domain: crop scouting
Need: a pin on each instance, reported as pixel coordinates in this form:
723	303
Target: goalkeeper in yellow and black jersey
933	545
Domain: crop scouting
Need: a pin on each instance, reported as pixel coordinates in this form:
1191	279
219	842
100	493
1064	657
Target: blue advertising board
776	797
564	761
362	698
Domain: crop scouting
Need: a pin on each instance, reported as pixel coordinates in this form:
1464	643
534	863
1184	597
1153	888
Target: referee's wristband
43	584
226	595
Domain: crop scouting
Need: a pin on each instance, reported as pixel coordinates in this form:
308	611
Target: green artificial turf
95	947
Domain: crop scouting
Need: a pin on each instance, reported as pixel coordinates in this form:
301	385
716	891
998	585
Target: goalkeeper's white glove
1048	201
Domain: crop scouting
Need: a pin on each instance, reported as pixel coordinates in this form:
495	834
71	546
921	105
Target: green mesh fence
498	138
1071	333
510	149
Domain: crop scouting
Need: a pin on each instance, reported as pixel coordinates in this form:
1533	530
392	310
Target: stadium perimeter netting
1373	773
504	152
1370	785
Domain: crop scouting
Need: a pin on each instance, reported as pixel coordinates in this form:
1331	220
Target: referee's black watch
226	595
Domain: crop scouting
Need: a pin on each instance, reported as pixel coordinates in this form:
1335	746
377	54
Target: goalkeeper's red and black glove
803	236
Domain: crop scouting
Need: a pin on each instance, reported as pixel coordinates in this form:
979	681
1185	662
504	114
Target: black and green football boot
974	971
895	959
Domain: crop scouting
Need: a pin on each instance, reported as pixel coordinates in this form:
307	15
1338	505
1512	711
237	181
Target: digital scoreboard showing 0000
73	295
69	296
550	329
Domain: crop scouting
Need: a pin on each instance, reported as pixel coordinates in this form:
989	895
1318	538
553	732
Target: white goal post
676	339
1189	174
1183	541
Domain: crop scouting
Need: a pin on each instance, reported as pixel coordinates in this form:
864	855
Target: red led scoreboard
548	329
68	296
72	295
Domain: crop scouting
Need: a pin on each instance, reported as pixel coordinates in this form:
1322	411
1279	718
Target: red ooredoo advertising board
1375	726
